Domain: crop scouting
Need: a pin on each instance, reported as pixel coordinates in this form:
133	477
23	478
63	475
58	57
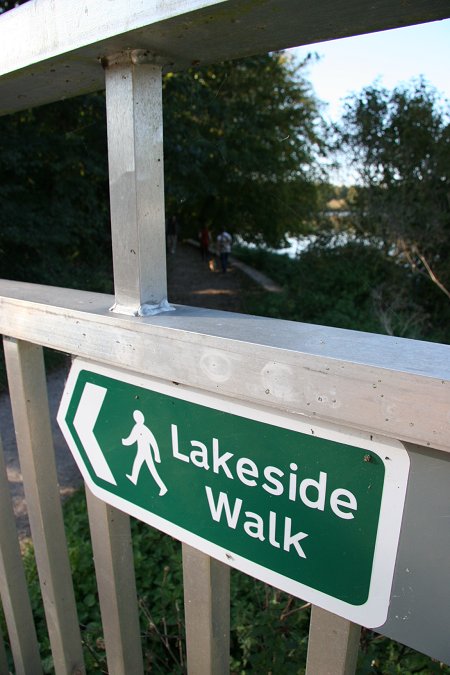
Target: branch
431	274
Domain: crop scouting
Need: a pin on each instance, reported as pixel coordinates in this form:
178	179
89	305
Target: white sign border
373	612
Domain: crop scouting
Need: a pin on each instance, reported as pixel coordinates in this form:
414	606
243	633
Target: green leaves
54	224
240	143
269	629
240	147
348	283
400	142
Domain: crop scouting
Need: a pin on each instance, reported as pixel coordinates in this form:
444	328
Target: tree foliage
268	628
54	224
400	144
346	284
6	5
54	219
240	139
240	144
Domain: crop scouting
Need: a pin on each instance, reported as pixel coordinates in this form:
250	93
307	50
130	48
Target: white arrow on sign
84	421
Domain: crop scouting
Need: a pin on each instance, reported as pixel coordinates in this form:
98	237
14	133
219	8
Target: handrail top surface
396	354
53	50
376	384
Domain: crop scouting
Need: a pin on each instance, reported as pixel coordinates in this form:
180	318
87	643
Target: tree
239	151
400	144
54	221
6	5
240	144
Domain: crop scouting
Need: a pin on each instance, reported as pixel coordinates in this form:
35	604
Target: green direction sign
311	509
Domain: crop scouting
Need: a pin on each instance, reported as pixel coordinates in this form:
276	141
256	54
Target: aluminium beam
28	391
114	569
333	644
395	387
54	50
206	583
136	185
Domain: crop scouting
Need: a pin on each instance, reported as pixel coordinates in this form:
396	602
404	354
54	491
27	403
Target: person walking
172	229
224	241
205	240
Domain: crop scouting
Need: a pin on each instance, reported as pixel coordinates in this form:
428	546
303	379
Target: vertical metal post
333	644
136	178
13	587
207	613
114	565
28	390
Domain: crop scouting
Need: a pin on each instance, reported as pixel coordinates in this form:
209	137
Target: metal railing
307	369
375	384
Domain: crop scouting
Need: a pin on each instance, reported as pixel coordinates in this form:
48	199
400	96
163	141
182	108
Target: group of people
223	246
223	242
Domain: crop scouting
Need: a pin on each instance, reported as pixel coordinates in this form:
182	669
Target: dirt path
190	282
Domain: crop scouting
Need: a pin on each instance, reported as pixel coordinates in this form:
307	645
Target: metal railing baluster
333	644
13	588
207	613
28	391
114	566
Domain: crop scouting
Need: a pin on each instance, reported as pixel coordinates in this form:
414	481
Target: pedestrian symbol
146	445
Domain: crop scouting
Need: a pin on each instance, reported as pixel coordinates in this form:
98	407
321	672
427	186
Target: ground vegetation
269	628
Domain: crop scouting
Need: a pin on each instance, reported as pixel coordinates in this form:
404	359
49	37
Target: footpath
191	281
200	283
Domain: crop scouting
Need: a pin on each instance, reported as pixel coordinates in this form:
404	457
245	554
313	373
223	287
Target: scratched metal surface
419	613
53	50
391	386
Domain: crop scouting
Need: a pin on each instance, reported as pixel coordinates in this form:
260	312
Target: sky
390	58
394	57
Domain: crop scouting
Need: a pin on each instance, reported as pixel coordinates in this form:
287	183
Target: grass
269	628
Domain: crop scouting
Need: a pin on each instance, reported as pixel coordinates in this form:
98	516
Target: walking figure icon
147	451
